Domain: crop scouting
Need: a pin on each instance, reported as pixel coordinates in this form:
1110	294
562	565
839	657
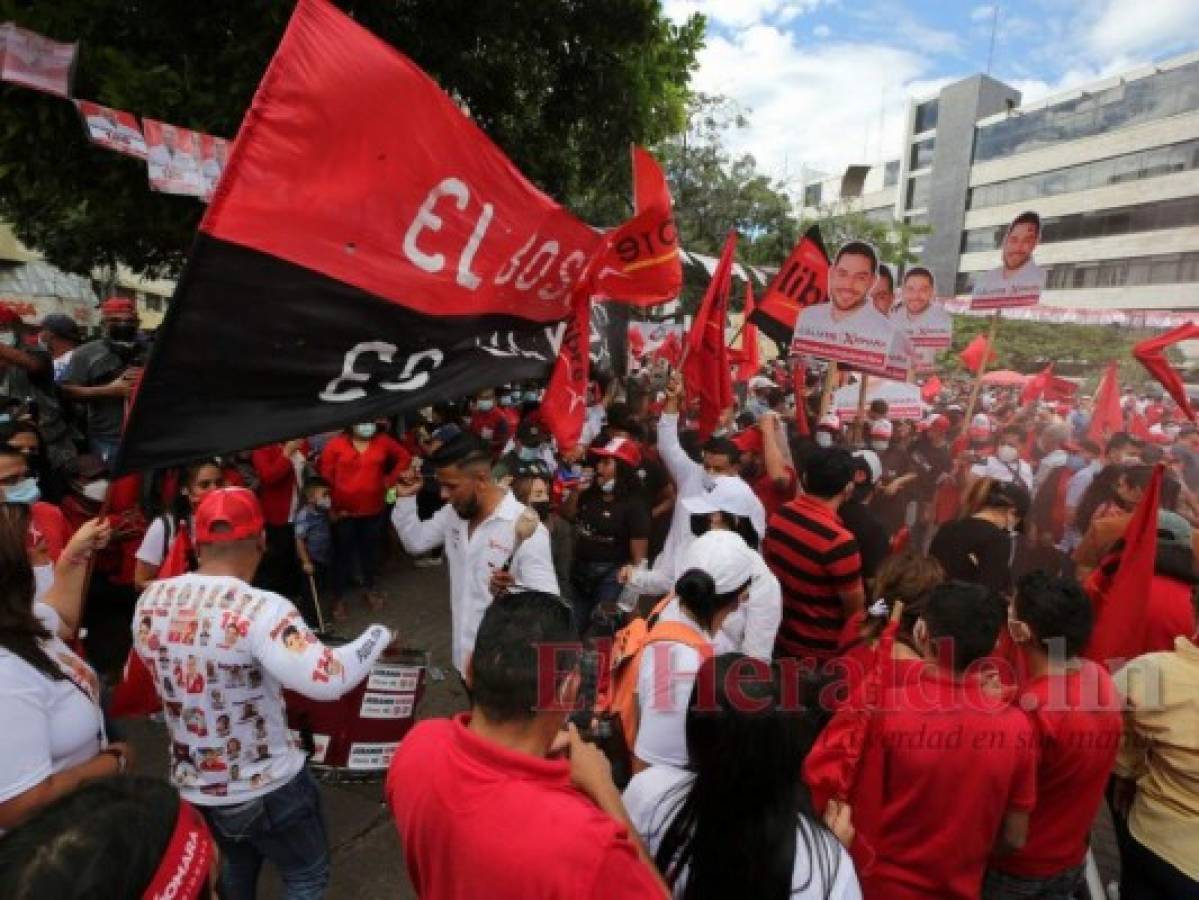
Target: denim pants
356	544
285	827
592	584
1062	886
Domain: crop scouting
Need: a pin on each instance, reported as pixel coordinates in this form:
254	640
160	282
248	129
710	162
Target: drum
356	736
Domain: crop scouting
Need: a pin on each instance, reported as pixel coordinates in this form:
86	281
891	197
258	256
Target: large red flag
641	264
1150	354
930	389
706	366
368	250
1037	385
750	361
1107	417
564	406
1120	608
801	281
975	352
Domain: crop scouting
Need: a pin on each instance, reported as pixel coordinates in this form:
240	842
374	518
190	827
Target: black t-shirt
975	550
603	528
873	543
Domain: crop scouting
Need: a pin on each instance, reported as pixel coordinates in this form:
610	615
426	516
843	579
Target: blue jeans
593	584
356	544
286	827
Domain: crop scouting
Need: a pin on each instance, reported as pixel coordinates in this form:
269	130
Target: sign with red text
1017	281
112	129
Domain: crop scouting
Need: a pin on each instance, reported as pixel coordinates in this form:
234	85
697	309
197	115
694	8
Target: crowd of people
771	661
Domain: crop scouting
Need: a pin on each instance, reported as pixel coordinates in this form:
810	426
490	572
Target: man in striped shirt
815	558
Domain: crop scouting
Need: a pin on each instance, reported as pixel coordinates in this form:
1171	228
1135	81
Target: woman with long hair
198	480
119	838
611	529
980	546
737	821
53	738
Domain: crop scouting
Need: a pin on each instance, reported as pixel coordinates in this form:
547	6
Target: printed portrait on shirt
1017	280
211	759
195	721
222	725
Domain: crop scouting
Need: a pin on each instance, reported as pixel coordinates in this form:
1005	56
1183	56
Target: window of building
1147	99
882	214
811	194
1129	167
918	190
1167	268
922	154
1179	213
890	173
926	116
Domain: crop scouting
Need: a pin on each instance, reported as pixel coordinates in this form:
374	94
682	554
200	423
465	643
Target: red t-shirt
479	820
360	480
1078	722
942	746
770	494
491	426
51	526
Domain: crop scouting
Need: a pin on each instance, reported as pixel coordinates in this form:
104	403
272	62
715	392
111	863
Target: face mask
122	334
1007	454
506	400
96	491
824	439
530	396
608	486
879	446
485	405
8	338
529	454
24	491
324	503
720	432
708	480
542	508
365	430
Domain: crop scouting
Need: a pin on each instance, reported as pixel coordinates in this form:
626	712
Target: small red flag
564	406
801	281
1107	417
1037	385
1151	355
636	342
1119	632
974	353
930	389
671	349
751	359
706	364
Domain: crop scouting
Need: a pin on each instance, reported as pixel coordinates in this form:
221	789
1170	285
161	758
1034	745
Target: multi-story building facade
1112	168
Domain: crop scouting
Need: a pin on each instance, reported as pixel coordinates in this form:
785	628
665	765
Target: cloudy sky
826	82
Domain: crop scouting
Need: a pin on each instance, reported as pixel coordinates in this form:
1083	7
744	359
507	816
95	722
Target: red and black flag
802	281
368	250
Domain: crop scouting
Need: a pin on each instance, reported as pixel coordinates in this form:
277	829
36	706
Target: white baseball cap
728	494
724	556
758	382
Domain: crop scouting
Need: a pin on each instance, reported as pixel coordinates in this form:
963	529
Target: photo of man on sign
849	328
926	323
1018	280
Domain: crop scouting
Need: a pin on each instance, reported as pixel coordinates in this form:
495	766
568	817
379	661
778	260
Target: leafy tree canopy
563	86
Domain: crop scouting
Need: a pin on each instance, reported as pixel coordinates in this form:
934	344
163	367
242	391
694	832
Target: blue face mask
365	430
25	492
530	396
529	454
484	405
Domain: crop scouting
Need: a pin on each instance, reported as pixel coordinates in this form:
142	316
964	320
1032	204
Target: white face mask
96	491
824	439
1007	454
8	338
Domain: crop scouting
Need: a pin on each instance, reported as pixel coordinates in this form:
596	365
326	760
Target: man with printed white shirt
477	527
222	652
1018	280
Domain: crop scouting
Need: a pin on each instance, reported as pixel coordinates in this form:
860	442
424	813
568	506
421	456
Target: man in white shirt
477	526
1019	280
220	652
928	326
1006	465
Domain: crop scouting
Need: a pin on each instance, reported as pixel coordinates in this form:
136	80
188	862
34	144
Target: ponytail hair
697	594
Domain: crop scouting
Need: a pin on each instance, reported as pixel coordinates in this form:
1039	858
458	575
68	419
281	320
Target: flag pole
982	368
830	381
858	424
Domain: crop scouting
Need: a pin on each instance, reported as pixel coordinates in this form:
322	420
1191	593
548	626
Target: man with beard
1019	280
102	373
477	526
883	294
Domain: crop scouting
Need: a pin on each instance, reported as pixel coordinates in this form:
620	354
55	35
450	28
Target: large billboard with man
1017	280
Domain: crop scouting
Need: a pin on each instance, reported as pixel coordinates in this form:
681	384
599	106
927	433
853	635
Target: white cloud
814	106
982	13
1122	26
822	31
739	13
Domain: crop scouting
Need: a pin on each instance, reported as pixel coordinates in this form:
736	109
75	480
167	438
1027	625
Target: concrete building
1112	168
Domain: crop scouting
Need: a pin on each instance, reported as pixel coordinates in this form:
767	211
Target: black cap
530	434
63	326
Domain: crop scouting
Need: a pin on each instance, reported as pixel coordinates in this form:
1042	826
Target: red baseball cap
118	306
228	514
621	448
749	440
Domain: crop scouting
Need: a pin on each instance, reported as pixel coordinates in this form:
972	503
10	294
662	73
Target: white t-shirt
48	726
664	681
1022	287
153	548
652	797
997	470
220	653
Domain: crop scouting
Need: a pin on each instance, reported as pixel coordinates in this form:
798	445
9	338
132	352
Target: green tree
893	240
562	86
